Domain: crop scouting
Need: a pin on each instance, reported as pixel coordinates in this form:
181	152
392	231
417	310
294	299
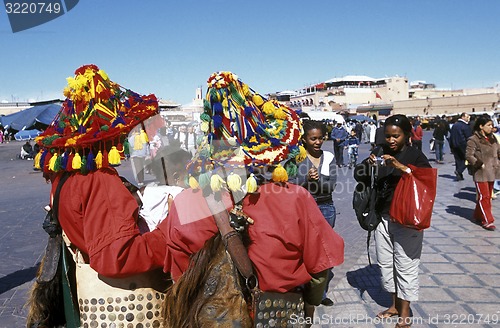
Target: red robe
98	214
290	237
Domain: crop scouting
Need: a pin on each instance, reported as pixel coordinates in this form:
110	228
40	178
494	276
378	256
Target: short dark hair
401	121
309	125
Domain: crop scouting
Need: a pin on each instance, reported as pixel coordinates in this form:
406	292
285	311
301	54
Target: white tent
320	115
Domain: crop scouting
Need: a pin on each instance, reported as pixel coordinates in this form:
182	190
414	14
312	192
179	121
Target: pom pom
114	157
193	184
76	164
251	184
279	174
268	108
216	182
98	160
234	182
302	155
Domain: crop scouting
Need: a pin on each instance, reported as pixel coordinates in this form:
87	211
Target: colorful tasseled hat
242	130
96	115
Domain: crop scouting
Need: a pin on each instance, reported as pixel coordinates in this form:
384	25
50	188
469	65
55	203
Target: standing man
459	134
339	135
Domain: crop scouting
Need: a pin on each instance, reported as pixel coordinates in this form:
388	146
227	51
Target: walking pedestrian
398	247
483	152
460	132
339	135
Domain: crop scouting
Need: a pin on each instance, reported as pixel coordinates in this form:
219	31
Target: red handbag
414	198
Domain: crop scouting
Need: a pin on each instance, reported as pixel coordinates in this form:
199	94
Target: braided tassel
76	163
98	160
279	174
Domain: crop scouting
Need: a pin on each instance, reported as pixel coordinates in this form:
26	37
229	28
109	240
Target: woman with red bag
482	153
398	247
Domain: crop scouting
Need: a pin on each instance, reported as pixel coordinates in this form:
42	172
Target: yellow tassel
144	137
76	164
257	100
216	182
114	156
193	184
234	182
251	184
36	162
137	142
279	174
52	162
268	108
98	160
302	155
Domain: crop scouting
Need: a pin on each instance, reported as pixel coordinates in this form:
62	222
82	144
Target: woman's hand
313	174
393	162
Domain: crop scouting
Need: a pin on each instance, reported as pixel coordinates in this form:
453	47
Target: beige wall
448	105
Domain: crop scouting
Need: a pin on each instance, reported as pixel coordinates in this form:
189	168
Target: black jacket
388	177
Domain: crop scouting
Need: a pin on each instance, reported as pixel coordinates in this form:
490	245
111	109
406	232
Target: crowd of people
240	209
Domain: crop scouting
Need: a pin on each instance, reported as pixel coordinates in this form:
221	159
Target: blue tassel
217	119
118	120
64	160
261	129
217	107
42	159
248	111
91	166
275	142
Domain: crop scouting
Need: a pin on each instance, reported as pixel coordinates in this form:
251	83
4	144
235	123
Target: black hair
400	121
481	120
309	125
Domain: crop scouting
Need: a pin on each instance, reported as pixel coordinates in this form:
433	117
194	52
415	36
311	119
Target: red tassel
105	160
46	162
119	147
69	165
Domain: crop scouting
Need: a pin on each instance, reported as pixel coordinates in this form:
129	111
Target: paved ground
460	271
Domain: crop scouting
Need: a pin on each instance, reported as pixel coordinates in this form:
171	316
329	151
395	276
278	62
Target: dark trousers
339	153
459	155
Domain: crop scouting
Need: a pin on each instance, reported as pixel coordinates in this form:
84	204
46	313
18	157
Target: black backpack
364	199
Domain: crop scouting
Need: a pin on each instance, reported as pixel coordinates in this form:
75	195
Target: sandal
387	314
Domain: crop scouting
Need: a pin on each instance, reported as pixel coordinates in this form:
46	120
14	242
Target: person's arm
327	183
470	154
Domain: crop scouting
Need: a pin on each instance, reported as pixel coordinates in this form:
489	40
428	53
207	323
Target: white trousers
398	255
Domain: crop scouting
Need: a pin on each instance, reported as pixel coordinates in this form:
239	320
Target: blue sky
171	47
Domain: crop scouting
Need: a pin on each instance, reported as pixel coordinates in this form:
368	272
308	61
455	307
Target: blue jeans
328	211
438	148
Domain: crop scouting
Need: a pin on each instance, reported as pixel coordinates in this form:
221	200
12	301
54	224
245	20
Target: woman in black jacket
398	247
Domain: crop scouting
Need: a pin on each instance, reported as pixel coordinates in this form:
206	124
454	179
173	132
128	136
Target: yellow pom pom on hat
95	115
244	129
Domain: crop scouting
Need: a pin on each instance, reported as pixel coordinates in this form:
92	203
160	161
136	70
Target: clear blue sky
171	47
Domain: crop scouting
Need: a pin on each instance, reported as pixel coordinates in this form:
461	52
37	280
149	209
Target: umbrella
360	118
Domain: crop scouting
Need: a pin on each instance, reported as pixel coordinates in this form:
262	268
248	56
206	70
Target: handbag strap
232	241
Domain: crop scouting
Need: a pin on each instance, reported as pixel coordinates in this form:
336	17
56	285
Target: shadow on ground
362	280
17	278
466	213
